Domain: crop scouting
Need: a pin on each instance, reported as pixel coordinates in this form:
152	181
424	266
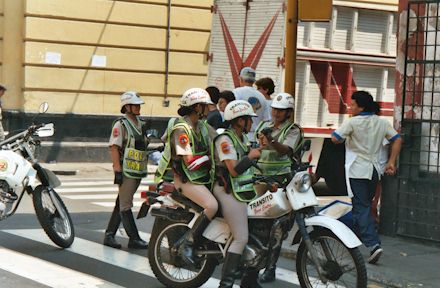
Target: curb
65	172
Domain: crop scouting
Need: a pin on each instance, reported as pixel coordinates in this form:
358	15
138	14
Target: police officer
281	139
128	145
186	151
231	150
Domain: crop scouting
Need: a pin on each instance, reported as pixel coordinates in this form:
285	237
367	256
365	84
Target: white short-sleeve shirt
364	136
246	92
118	135
225	148
181	143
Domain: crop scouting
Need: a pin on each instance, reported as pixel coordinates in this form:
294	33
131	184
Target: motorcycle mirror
43	107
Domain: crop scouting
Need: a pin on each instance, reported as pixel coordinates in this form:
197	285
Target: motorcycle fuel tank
269	205
13	168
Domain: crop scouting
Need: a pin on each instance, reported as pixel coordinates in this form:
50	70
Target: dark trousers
364	225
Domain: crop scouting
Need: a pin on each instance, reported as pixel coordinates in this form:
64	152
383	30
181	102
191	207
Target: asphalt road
29	259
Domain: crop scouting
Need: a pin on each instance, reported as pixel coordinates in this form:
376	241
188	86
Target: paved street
37	262
89	196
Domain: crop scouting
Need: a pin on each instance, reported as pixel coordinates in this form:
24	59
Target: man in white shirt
247	91
364	134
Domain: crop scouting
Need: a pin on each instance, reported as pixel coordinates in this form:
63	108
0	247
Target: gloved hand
118	178
198	161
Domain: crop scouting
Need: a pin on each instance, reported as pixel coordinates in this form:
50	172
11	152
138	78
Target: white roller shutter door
259	15
219	69
370	35
341	37
367	78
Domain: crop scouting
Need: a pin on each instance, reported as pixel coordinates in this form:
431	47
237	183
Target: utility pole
290	52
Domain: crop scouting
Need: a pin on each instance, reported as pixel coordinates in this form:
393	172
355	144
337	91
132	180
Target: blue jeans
364	225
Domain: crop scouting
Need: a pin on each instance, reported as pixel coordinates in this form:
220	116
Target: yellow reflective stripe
134	164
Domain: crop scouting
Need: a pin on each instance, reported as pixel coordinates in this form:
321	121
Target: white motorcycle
20	172
328	251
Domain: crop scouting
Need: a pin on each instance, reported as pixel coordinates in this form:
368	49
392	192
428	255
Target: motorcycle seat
185	201
178	196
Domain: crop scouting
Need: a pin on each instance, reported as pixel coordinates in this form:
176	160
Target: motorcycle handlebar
245	182
253	180
26	133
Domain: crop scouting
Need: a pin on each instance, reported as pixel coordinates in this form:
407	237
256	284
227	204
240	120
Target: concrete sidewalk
405	262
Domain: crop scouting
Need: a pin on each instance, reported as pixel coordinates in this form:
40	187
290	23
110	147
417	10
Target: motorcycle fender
338	228
54	182
47	177
217	231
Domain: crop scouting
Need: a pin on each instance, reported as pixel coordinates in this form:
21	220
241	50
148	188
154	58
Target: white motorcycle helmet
193	96
283	101
238	108
130	97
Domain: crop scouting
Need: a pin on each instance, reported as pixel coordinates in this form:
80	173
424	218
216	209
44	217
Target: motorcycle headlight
302	181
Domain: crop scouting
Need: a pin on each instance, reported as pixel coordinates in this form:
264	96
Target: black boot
250	279
190	237
269	273
135	241
112	227
230	270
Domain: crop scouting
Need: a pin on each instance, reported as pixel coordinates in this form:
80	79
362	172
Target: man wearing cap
128	145
2	132
246	91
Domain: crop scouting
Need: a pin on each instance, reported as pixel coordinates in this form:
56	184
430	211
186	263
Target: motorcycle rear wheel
167	266
58	228
345	269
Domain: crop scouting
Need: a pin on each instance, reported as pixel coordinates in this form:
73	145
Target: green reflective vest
271	162
135	158
243	193
199	147
164	171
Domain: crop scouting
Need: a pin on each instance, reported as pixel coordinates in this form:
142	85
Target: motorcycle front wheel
167	264
57	224
344	267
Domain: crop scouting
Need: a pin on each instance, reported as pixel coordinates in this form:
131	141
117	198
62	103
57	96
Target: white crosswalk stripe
101	192
43	272
90	249
54	275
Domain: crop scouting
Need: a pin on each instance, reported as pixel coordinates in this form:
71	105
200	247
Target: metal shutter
367	78
389	92
393	38
370	35
341	37
320	35
261	12
301	35
219	69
